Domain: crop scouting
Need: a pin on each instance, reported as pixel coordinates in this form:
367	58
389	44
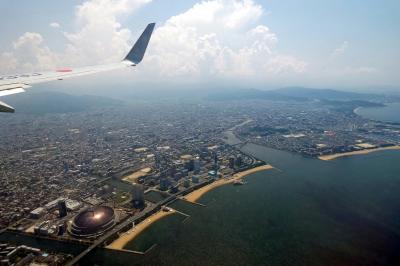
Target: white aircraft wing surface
12	84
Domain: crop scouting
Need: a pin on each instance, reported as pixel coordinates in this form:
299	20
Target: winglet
137	52
6	108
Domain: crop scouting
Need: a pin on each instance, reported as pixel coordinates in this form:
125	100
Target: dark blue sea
390	113
306	212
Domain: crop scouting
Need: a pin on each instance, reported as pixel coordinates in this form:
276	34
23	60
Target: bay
389	113
306	212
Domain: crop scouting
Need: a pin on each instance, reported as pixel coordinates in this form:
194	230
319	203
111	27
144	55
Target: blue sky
341	43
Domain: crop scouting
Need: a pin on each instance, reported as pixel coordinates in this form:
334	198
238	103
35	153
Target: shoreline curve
197	194
352	153
127	237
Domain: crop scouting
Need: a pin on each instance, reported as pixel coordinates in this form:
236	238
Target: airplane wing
13	84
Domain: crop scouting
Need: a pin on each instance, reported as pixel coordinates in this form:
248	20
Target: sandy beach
192	197
131	234
338	155
195	195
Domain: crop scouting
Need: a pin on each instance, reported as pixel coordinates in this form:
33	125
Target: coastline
352	153
125	238
195	195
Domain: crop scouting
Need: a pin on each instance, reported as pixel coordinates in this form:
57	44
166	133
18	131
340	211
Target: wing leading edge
13	84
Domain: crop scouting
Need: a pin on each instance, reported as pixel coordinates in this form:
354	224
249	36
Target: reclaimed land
125	238
195	195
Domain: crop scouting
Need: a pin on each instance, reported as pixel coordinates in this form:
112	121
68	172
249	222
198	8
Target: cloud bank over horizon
214	40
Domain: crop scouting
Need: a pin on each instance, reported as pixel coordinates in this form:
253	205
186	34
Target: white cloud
55	25
29	54
214	39
219	38
360	70
340	50
100	38
8	63
341	70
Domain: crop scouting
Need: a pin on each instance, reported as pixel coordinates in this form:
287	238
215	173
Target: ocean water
307	212
390	113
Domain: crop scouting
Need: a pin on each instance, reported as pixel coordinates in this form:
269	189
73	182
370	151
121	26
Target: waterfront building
53	204
186	183
239	161
172	170
178	176
196	164
212	173
216	166
62	208
164	184
189	165
195	179
231	162
62	229
72	205
174	188
138	196
92	222
37	213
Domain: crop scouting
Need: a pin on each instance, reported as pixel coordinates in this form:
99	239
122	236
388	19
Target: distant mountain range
301	94
56	102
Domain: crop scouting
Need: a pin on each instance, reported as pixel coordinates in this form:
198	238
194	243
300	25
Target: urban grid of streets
48	156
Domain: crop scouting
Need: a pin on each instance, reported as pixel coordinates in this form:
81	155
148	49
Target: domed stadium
92	222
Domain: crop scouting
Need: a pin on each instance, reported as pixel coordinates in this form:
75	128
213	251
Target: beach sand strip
195	195
125	238
352	153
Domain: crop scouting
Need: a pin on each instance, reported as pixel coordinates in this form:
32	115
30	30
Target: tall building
138	196
195	179
186	183
189	165
178	176
174	188
231	162
164	184
216	166
196	165
215	158
239	161
172	170
66	167
62	208
61	228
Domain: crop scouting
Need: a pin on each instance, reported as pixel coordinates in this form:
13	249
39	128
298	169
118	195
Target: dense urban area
84	176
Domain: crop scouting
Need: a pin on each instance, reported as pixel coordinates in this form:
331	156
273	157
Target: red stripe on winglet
64	70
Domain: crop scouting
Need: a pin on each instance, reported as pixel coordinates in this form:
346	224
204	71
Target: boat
238	182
